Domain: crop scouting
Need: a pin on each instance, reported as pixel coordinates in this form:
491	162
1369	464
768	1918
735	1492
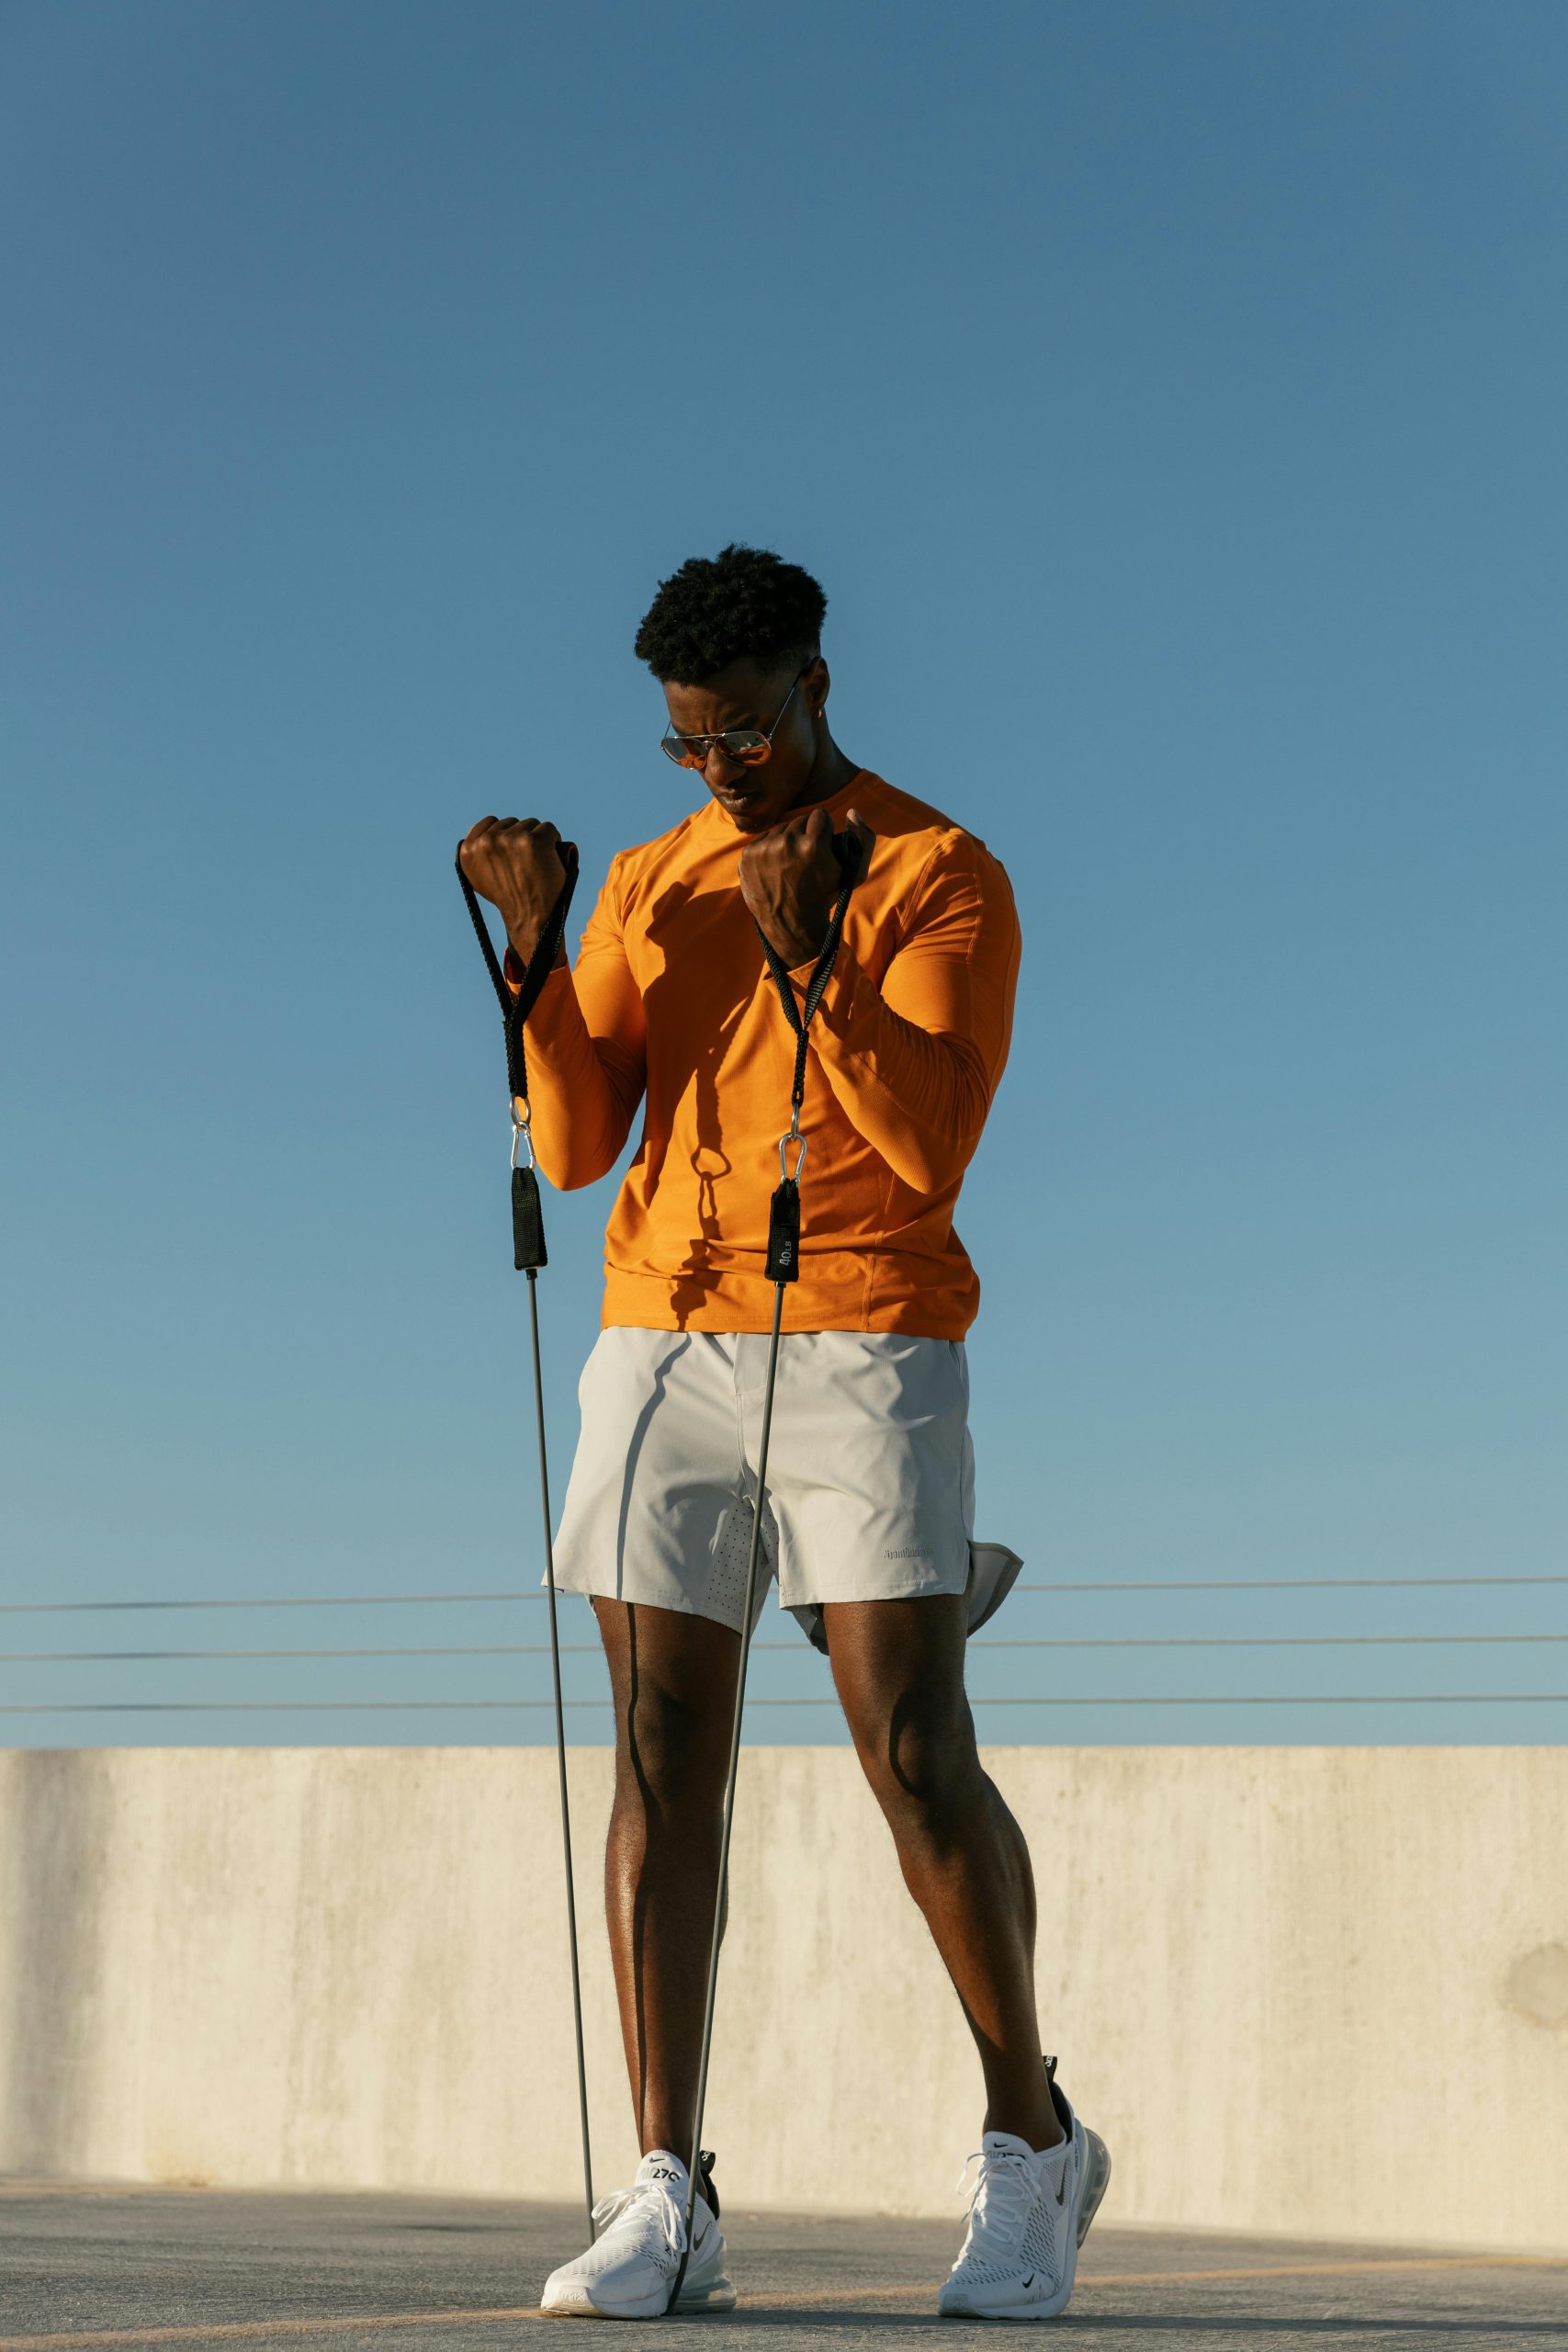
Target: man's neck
831	770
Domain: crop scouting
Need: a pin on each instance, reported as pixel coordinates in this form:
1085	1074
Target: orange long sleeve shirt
670	1003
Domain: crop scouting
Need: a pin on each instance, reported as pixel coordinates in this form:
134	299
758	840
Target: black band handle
847	850
527	1212
514	1010
784	1210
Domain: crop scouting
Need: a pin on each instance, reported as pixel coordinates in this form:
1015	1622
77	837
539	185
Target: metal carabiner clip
792	1135
522	1141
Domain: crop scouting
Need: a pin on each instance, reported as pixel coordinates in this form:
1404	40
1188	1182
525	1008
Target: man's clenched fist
790	879
514	861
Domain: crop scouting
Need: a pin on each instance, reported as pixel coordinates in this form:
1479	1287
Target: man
867	1520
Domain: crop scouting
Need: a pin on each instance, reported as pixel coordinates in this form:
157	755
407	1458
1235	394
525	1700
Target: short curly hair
742	603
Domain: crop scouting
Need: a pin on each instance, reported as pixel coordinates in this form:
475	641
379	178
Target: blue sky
1171	399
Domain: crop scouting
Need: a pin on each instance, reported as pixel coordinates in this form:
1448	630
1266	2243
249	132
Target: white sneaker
629	2270
1029	2214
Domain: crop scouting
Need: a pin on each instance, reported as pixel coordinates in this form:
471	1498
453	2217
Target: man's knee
916	1748
670	1753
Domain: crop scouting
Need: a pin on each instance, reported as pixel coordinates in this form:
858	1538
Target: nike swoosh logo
1025	2284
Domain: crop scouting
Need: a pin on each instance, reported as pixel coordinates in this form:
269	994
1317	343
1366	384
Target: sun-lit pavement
90	2266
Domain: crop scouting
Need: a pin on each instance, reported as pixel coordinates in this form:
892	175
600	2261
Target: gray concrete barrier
1321	1990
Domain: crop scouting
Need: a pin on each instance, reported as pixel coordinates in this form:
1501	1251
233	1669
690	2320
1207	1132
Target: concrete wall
1312	1990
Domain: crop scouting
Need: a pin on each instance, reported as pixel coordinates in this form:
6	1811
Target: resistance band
782	1267
528	1255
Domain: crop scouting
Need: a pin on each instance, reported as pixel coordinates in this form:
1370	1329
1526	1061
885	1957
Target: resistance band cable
783	1266
528	1255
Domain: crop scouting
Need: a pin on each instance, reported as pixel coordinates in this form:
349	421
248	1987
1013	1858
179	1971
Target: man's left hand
790	879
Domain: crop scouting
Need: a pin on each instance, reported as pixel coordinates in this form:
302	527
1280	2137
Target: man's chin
754	818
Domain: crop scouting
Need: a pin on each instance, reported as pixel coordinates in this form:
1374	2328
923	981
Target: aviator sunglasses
747	745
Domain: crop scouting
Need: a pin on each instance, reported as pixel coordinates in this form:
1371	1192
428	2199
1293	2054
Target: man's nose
719	770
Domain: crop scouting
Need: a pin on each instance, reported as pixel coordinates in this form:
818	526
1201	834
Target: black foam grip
527	1222
783	1233
846	850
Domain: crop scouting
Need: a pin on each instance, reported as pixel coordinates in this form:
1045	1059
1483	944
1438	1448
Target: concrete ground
104	2267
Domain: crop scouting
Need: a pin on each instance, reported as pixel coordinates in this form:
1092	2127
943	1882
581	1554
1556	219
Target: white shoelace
1000	2201
663	2212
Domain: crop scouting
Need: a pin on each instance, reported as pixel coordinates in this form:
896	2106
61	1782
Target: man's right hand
514	861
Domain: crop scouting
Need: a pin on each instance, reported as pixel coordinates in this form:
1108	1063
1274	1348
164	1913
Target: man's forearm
582	1099
919	1098
520	955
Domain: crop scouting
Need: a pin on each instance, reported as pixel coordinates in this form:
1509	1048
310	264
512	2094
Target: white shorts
871	1474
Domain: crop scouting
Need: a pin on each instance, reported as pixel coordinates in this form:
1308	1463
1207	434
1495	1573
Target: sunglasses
747	745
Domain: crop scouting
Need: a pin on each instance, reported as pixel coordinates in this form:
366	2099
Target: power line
1110	1698
795	1649
454	1599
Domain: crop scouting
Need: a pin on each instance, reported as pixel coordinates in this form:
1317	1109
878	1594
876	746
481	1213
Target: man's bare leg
673	1680
898	1666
